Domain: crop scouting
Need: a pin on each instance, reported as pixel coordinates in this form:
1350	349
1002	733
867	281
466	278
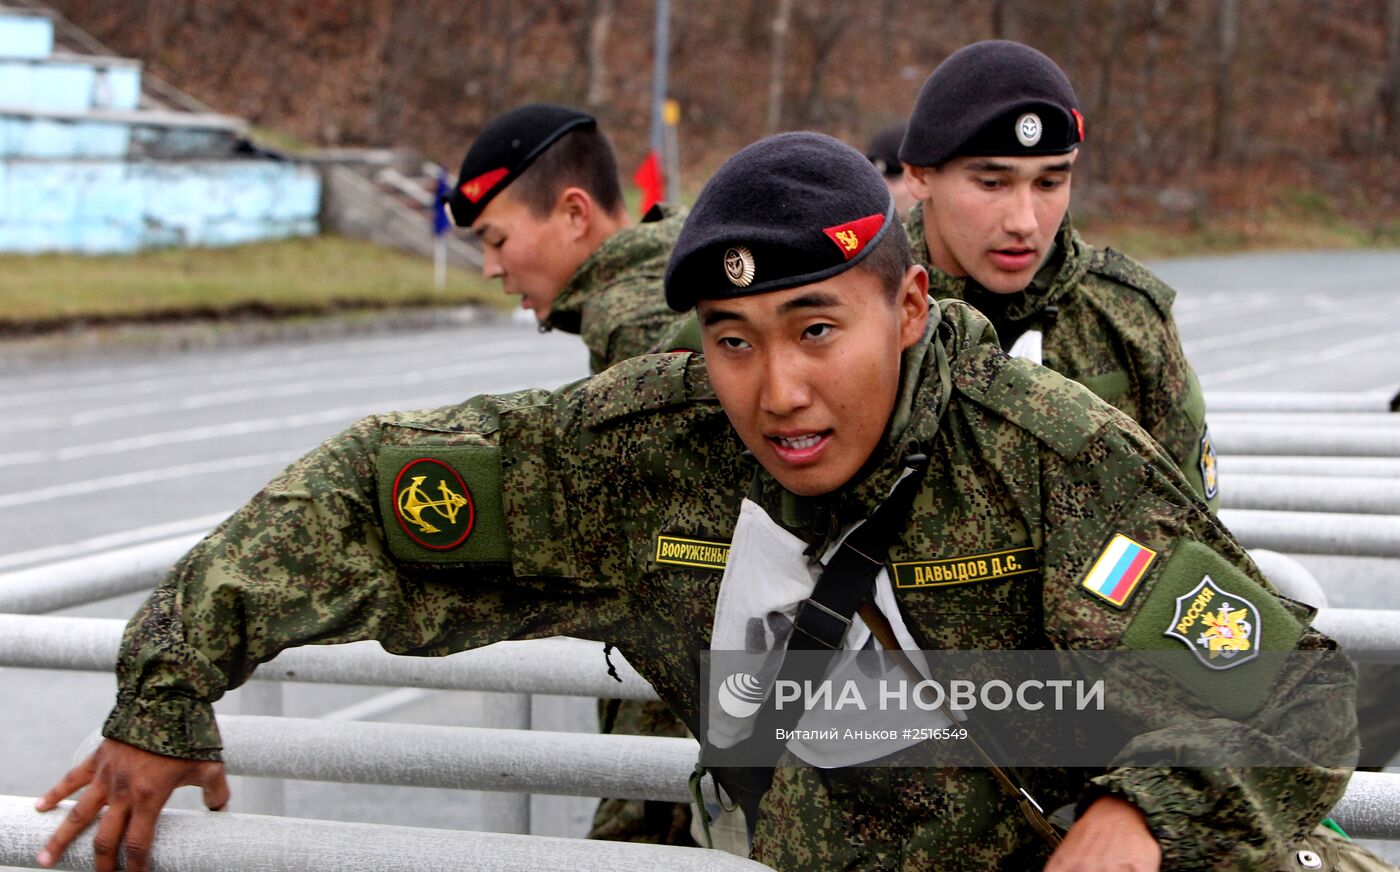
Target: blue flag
441	223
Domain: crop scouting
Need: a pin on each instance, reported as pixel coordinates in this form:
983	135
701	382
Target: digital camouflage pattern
614	300
590	477
1112	331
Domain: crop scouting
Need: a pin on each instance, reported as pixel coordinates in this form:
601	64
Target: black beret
994	98
508	145
883	150
789	210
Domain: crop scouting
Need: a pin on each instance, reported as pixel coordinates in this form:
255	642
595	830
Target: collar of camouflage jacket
625	251
1062	271
954	330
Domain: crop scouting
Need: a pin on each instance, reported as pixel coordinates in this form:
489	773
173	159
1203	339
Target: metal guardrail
192	841
463	758
1310	493
567	667
89	579
1343	467
1370	809
1343	534
1301	401
1331	440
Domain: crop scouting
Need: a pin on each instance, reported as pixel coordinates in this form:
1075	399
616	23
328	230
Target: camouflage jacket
614	300
1107	323
554	512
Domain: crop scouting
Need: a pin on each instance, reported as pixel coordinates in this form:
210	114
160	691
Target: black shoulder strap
820	625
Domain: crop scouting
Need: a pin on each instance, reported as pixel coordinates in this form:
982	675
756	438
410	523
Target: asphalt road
100	448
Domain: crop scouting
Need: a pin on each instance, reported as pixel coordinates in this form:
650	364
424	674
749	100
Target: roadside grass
1275	232
290	277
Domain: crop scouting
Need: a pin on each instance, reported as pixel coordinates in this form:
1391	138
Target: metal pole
461	758
1342	467
197	841
660	63
1298	401
1332	440
1297	493
568	667
1315	532
88	579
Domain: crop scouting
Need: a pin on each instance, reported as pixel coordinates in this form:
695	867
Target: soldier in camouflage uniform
540	188
989	153
606	509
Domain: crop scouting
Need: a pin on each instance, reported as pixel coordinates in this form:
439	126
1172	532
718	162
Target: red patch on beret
479	186
853	236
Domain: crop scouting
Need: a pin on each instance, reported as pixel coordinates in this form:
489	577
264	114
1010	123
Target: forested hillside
1195	108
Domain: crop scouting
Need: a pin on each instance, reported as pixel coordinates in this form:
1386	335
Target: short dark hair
890	259
582	158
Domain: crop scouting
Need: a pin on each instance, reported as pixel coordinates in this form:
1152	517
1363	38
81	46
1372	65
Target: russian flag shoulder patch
1119	568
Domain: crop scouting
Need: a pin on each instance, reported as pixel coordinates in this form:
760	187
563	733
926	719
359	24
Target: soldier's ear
913	306
576	208
915	180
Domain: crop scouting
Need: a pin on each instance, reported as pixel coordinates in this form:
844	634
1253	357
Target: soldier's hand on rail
1110	834
133	785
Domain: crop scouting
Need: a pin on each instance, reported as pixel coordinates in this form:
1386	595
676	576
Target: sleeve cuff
174	726
1173	816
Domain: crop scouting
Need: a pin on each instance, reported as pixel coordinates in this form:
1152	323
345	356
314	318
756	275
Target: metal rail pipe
1370	809
1311	493
1298	401
1330	440
1368	635
1291	577
197	841
1345	535
567	667
1342	467
461	758
88	579
1334	420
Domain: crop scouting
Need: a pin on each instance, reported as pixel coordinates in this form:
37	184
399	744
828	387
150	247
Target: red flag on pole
648	177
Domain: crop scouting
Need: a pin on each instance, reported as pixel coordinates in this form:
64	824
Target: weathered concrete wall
100	207
25	35
83	169
69	83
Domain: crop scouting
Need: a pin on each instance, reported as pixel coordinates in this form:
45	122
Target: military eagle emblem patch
432	504
1222	629
1210	476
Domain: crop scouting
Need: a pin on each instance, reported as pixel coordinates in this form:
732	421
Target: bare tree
1003	19
1222	146
825	29
781	20
1390	81
598	30
1142	132
1117	38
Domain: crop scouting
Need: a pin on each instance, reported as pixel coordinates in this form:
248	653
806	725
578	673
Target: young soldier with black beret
540	188
682	503
989	154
